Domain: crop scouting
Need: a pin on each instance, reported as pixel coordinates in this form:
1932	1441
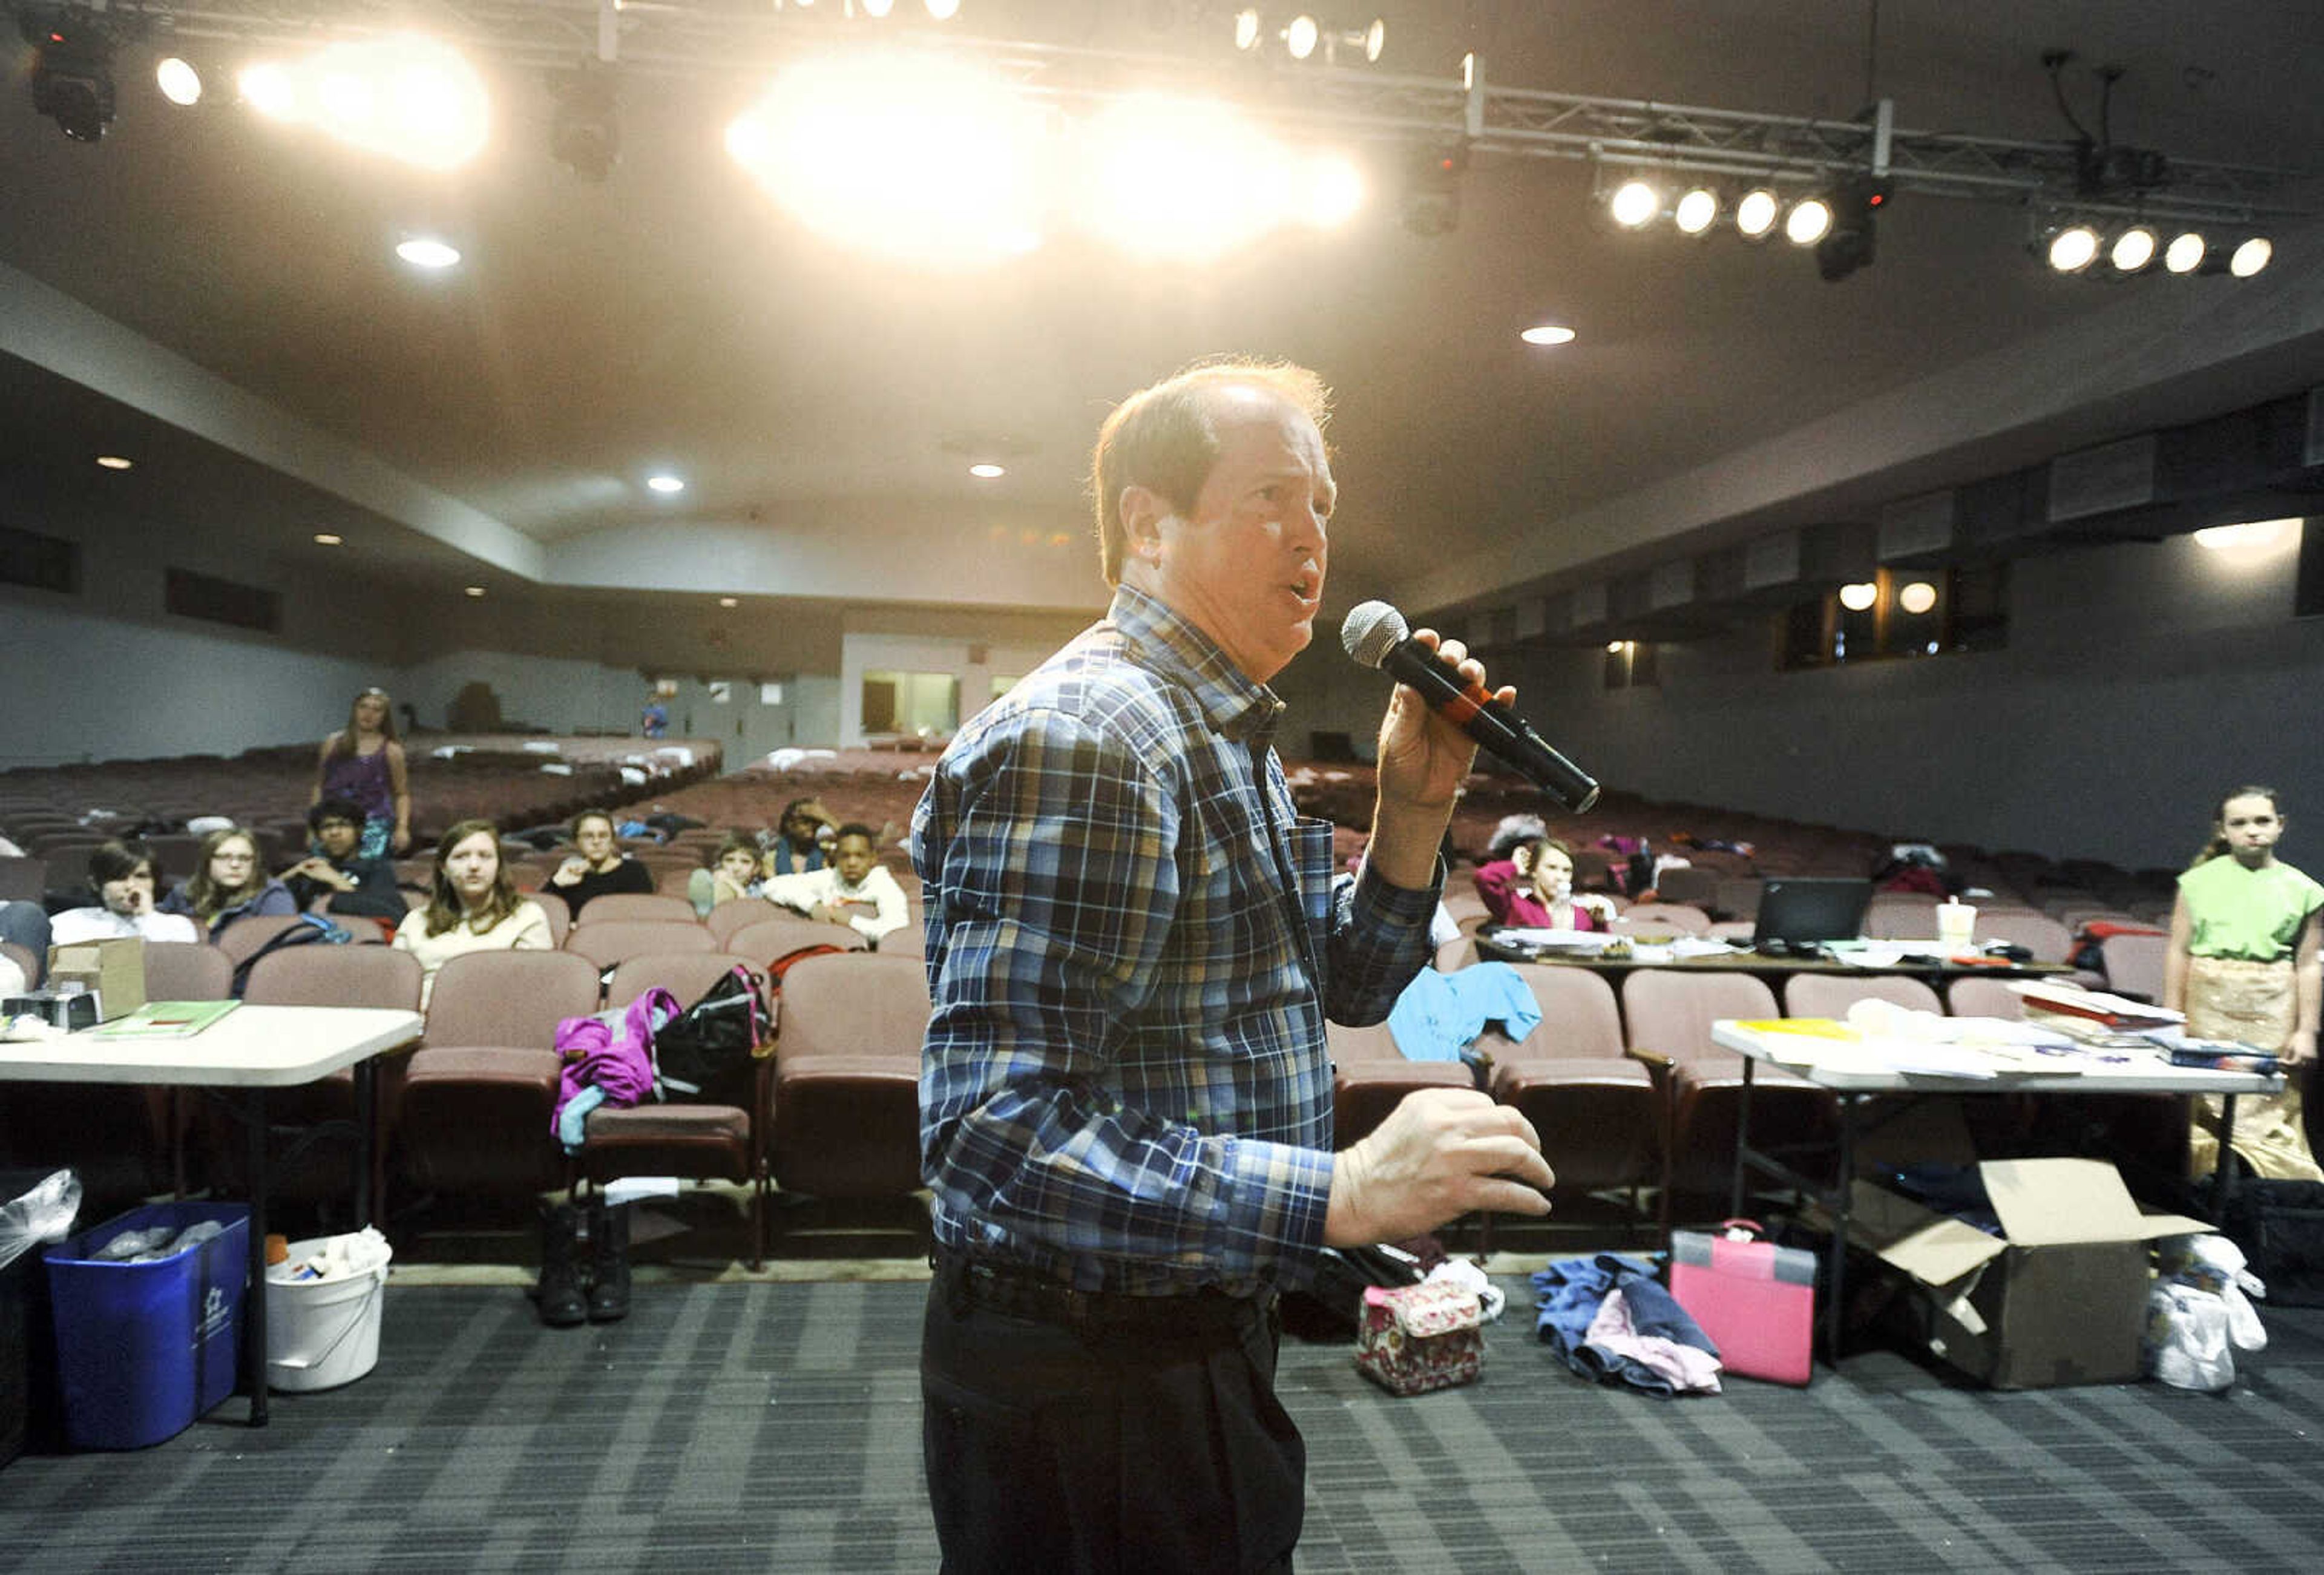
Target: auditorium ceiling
217	296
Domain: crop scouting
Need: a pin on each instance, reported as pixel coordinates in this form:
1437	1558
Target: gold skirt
2231	997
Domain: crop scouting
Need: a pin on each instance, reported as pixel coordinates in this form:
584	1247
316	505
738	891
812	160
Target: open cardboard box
2061	1300
113	969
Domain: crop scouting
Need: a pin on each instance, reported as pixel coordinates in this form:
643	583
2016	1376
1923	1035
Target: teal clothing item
1440	1014
2251	914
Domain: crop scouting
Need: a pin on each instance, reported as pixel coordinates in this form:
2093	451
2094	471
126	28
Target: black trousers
1091	1444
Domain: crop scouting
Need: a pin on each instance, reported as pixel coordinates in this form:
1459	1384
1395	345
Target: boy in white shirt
121	874
841	893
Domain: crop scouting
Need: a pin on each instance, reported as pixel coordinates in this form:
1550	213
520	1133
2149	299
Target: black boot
560	1291
609	1261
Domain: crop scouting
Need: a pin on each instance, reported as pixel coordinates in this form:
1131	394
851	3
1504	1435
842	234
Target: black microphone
1377	635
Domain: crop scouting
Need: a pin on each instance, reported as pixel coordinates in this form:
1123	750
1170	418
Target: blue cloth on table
1440	1014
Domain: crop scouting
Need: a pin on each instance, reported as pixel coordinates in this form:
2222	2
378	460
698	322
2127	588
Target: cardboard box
114	969
2061	1300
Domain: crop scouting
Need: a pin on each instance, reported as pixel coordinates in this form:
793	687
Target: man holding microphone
1133	943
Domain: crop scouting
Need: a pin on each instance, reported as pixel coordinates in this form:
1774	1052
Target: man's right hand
1440	1154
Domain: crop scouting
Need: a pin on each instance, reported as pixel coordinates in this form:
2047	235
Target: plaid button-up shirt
1134	940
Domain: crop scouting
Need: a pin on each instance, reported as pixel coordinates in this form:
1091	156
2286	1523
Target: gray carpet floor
776	1426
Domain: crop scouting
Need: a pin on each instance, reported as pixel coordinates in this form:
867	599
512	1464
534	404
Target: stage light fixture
584	131
1430	203
1755	214
2185	253
1696	211
179	81
2073	248
1301	37
1809	221
2133	250
72	71
1858	598
877	9
1852	241
1245	33
1635	204
1370	40
943	10
1917	597
2251	257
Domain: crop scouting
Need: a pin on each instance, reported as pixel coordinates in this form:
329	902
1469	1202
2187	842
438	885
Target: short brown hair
1163	438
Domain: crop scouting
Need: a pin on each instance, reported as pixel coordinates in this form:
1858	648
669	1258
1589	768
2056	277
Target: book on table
166	1019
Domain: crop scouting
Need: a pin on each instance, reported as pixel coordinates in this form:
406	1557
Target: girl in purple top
363	762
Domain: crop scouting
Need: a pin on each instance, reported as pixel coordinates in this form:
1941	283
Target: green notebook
167	1019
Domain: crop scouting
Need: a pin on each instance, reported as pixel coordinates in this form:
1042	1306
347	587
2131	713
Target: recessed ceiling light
666	483
987	471
729	602
427	252
114	462
476	590
1547	334
325	538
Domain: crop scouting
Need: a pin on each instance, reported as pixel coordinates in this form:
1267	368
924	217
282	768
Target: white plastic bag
2185	1343
46	1213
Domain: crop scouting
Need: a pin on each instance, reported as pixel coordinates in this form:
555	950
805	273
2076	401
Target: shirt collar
1234	703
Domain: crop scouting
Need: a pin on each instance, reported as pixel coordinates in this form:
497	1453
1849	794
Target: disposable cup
1956	924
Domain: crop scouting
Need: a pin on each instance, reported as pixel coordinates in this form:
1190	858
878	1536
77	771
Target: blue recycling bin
142	1348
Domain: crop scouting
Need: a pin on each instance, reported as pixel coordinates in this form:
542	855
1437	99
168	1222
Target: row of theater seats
1629	1093
467	1115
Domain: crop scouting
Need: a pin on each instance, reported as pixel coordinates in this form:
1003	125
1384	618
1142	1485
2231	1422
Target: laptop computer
1798	913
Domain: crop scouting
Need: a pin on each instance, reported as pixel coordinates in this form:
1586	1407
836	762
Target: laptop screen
1800	910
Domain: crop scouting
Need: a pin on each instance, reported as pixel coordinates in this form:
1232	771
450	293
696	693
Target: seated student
839	894
472	907
27	924
228	884
734	873
336	875
121	875
801	839
1533	889
597	866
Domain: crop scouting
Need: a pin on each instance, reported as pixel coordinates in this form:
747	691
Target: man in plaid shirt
1133	942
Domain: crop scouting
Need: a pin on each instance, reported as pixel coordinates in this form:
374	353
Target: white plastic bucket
321	1334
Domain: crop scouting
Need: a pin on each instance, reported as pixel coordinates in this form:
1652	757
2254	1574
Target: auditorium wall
2139	682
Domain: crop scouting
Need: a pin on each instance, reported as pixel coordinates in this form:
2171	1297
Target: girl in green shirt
2244	965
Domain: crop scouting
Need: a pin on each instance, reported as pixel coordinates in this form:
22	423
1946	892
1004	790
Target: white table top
2142	1073
252	1047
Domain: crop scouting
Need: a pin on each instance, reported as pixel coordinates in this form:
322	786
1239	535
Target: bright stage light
943	10
2185	253
1917	597
1175	179
1696	211
1809	221
180	83
1334	191
1755	214
1300	37
923	158
1635	203
1859	596
2251	257
408	98
1547	334
2133	249
2072	249
2250	533
1245	33
427	252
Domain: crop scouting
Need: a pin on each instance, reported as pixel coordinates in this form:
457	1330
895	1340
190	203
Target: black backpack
311	929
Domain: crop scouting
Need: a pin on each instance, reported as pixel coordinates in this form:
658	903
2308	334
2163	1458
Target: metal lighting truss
731	37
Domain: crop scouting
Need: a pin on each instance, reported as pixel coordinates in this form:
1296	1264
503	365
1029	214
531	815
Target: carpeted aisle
777	1427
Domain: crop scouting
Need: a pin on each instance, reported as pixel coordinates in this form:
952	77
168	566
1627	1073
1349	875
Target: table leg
2223	1190
1742	1139
366	1082
1836	1254
254	1305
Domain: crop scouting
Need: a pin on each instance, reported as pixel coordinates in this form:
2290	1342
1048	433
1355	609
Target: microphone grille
1371	631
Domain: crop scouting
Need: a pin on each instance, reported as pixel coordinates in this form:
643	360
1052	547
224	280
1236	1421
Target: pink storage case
1754	1300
